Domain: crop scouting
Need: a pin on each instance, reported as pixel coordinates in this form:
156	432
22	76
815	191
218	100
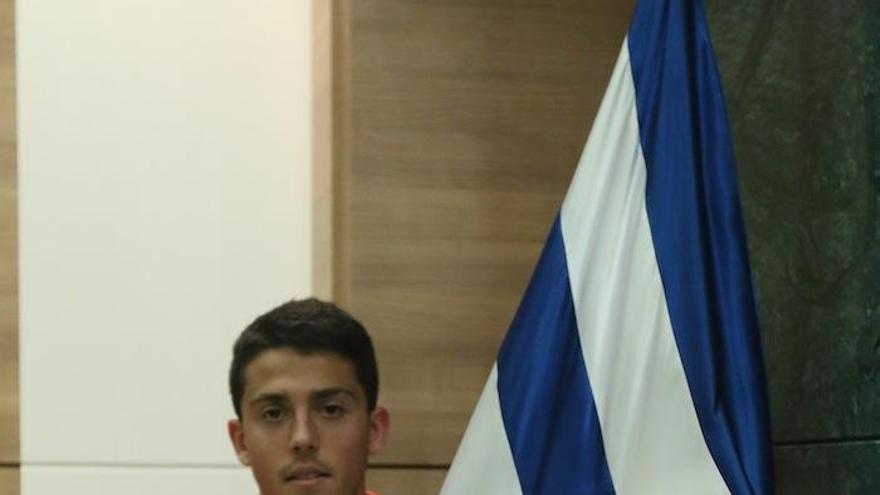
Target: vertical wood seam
341	129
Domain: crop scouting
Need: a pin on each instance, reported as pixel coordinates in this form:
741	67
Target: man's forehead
283	371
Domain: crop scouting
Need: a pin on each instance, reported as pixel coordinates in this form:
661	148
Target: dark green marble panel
833	469
801	83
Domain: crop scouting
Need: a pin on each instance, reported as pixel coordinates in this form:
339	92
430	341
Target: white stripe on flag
653	441
483	464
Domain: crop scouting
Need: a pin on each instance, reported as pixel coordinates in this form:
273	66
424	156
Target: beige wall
164	199
458	127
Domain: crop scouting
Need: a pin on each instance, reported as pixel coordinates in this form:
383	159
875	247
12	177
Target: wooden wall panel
322	148
9	451
458	127
341	149
9	480
391	481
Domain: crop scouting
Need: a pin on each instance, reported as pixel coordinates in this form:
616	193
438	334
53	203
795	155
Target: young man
304	384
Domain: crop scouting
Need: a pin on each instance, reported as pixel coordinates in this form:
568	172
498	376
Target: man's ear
379	428
236	435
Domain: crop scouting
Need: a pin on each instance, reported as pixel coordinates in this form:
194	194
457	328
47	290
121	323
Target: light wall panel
459	125
164	201
84	480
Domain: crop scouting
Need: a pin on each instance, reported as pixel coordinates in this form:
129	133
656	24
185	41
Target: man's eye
332	410
273	414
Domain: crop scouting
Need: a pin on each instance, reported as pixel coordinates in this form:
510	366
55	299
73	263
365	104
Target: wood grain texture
405	481
466	123
9	448
10	481
342	149
322	148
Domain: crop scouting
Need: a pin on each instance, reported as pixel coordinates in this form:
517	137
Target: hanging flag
633	365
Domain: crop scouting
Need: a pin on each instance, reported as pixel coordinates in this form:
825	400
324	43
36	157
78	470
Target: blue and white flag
633	365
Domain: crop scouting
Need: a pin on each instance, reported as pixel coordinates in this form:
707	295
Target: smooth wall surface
164	188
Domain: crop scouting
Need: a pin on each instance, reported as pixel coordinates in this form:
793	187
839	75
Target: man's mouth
306	475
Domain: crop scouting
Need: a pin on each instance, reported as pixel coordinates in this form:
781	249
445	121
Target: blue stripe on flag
699	236
545	396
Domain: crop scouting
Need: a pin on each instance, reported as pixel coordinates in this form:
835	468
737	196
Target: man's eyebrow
270	397
331	392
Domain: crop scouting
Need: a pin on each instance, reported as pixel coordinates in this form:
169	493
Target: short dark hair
308	326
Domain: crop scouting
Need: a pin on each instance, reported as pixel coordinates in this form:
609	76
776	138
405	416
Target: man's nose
304	434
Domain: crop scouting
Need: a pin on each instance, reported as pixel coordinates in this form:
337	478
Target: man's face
305	428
